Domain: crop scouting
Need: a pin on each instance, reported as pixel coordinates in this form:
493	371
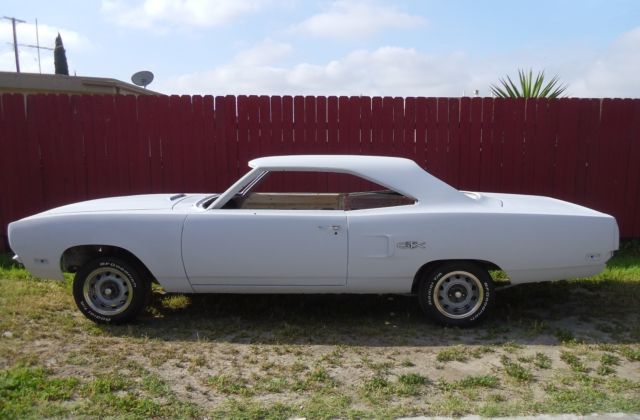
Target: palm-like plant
529	87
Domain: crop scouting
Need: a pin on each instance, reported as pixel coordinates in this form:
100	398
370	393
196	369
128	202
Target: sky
335	47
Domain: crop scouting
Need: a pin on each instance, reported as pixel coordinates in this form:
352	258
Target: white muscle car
408	233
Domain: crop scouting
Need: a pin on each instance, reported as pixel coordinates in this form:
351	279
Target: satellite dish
142	78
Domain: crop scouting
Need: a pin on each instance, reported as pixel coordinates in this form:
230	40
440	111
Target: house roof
11	82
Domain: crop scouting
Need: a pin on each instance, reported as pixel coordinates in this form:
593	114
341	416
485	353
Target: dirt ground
561	347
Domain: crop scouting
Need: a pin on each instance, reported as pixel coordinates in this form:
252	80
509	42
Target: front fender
153	237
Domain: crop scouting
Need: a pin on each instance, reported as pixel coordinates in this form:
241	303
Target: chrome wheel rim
458	294
108	291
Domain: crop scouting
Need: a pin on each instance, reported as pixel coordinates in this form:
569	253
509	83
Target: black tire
456	293
110	290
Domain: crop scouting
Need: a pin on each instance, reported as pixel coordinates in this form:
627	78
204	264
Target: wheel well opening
75	257
431	265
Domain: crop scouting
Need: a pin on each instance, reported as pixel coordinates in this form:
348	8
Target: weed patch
453	354
573	361
515	370
542	361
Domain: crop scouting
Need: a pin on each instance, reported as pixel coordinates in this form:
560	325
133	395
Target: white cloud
356	19
264	53
26	33
605	72
158	14
395	71
384	71
615	72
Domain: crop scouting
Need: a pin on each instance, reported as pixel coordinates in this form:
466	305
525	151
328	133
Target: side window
293	190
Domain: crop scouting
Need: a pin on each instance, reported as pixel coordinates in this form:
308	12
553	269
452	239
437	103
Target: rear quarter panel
529	247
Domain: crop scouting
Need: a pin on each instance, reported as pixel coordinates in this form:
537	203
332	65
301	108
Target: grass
482	381
542	361
227	384
546	348
632	353
573	361
453	354
607	364
27	392
516	370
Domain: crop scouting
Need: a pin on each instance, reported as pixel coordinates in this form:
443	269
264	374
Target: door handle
334	228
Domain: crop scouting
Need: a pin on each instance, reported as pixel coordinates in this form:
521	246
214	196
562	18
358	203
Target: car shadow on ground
548	313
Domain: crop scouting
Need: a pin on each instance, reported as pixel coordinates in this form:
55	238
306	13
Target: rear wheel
110	290
456	293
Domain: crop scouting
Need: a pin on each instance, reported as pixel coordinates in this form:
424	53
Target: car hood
126	203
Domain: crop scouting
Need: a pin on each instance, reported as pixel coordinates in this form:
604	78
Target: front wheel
456	293
110	290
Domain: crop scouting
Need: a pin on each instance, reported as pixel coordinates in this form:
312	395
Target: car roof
332	162
399	174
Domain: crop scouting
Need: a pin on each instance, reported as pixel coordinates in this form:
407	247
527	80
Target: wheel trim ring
93	294
473	281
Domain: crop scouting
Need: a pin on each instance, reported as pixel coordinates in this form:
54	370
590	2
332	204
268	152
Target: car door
253	247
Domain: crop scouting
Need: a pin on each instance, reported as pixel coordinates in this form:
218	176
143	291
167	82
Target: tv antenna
15	39
142	78
37	46
16	44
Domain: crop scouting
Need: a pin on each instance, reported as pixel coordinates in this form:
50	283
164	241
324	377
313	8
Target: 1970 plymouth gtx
390	228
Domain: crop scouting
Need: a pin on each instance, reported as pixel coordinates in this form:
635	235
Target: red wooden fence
57	149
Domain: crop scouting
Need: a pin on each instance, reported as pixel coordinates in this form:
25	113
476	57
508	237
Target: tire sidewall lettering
139	284
431	290
121	269
485	302
89	312
429	294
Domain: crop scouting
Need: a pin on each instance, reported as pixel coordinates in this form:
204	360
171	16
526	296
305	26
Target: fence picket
452	154
398	127
420	132
565	169
387	126
264	127
471	150
253	146
431	157
376	126
632	195
408	142
13	126
287	136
